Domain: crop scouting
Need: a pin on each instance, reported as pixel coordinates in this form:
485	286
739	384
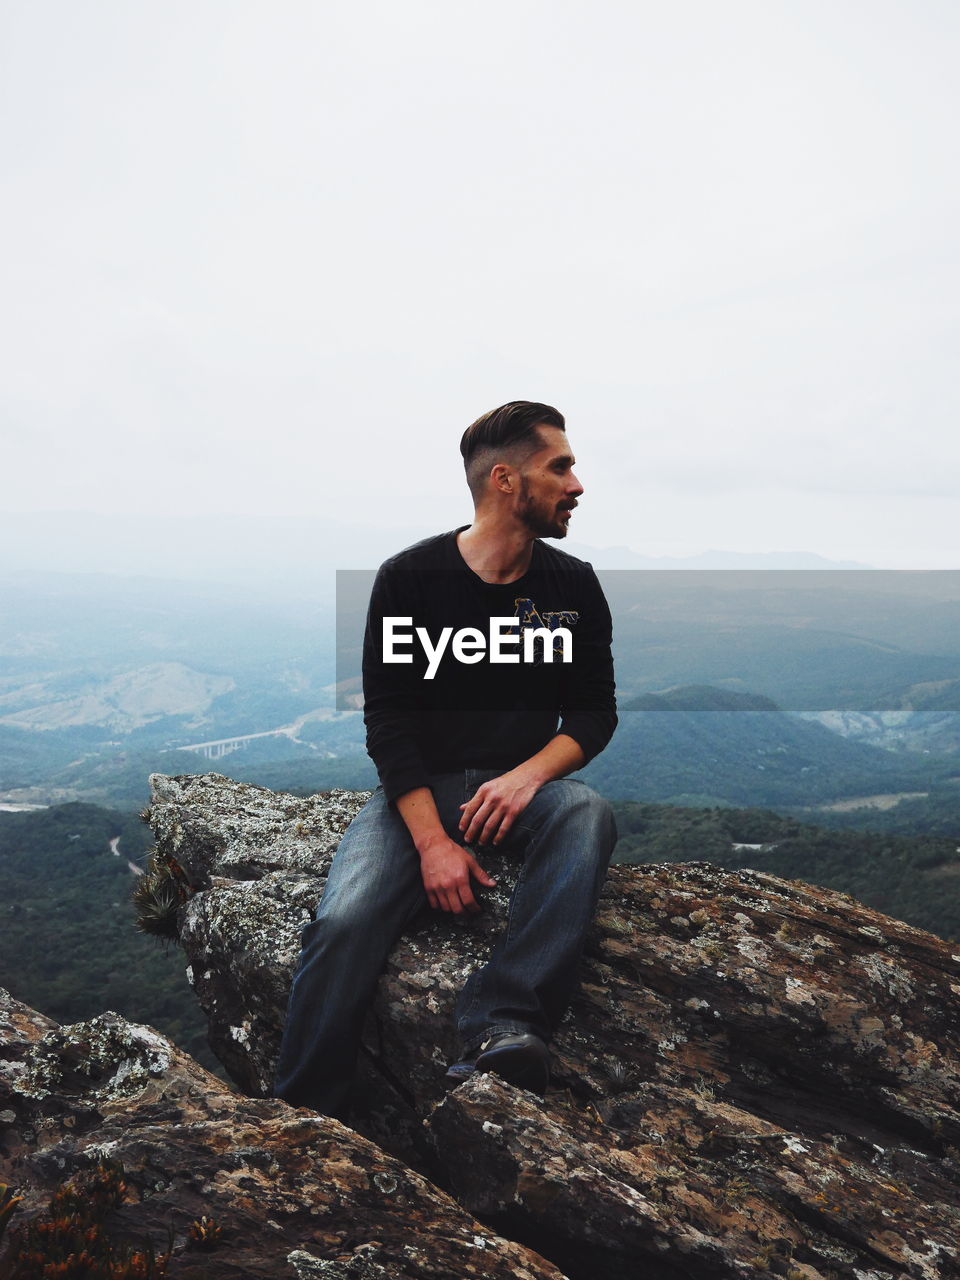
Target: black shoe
520	1058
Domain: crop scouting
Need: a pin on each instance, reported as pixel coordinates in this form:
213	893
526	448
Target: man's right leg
373	891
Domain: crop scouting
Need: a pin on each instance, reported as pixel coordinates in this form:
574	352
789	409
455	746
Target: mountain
99	673
101	676
700	745
700	697
120	703
625	558
260	555
261	551
911	730
812	641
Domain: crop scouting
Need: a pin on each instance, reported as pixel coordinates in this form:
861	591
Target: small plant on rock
69	1241
8	1206
158	896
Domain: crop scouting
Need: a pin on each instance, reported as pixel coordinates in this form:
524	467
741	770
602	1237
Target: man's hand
447	868
496	805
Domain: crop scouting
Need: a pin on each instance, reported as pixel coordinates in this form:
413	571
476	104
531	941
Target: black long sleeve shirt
478	713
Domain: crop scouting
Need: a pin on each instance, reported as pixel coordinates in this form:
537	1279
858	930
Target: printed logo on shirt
550	627
527	636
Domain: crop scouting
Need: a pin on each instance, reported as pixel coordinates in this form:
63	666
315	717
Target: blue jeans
565	837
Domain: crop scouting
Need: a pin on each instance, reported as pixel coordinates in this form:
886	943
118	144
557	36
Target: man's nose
574	486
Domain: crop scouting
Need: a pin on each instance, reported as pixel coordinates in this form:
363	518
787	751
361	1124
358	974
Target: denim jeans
565	838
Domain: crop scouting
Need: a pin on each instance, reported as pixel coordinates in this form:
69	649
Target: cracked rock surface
294	1194
757	1077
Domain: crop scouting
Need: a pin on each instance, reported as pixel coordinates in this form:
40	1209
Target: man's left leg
566	837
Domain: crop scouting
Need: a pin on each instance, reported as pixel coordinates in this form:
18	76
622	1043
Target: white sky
274	257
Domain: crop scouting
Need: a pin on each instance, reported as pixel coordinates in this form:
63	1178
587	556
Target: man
487	678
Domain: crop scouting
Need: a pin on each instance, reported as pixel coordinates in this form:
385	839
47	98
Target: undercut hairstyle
504	435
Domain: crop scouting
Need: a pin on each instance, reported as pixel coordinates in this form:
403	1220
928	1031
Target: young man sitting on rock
487	676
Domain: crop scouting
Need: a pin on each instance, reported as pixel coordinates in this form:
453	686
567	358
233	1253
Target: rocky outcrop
756	1078
285	1192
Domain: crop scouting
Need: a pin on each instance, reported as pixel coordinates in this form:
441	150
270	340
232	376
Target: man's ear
502	477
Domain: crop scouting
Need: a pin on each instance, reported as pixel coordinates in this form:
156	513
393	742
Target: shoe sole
460	1072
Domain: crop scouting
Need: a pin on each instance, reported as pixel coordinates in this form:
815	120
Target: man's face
548	488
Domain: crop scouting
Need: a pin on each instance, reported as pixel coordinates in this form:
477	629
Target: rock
674	1184
756	1077
293	1193
257	861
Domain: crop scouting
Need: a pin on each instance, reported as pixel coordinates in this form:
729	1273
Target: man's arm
492	811
589	709
446	866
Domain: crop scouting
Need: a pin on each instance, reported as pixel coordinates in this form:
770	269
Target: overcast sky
274	257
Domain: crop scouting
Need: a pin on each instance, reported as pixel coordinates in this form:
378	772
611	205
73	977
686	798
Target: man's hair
501	433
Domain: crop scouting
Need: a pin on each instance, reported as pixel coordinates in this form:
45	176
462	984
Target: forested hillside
913	878
68	942
700	745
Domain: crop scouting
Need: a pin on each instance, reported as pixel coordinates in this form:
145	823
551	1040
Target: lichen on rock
106	1058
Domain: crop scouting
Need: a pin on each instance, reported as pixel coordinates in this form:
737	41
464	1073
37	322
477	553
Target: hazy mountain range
104	677
264	552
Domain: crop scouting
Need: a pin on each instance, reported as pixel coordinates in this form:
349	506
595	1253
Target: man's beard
543	522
